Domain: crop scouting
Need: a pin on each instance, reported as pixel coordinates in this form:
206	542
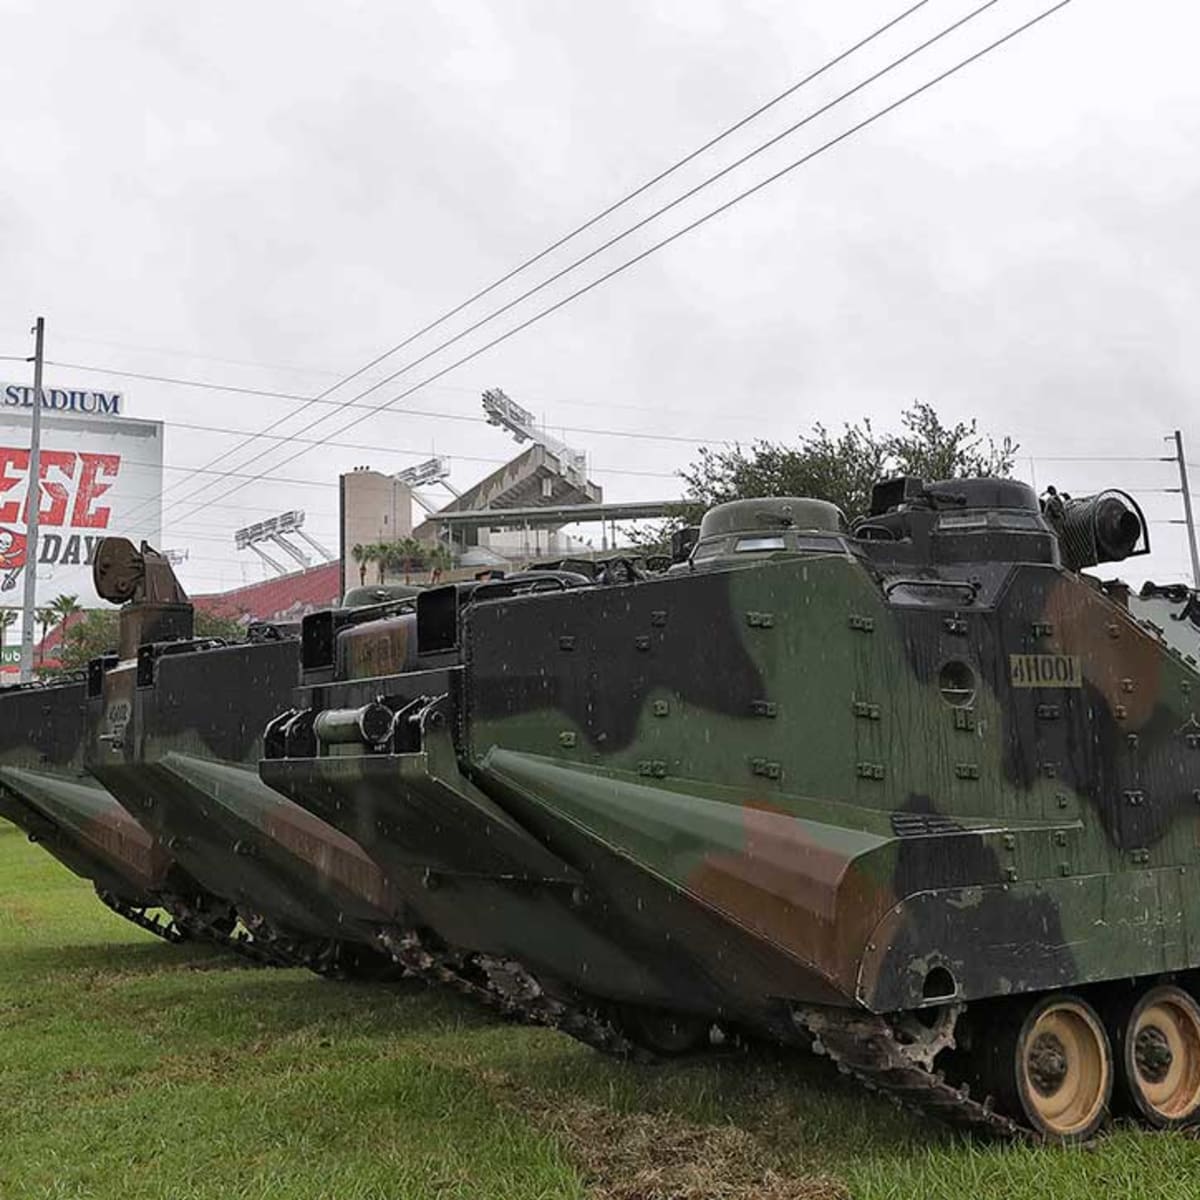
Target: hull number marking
1045	670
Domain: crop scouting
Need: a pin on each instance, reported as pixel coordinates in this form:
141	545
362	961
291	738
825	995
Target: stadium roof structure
534	479
558	514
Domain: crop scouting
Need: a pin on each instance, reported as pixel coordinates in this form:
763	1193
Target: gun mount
1106	527
155	608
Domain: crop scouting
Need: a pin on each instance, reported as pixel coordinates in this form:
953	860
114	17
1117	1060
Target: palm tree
412	556
384	557
440	558
45	617
362	555
65	607
8	618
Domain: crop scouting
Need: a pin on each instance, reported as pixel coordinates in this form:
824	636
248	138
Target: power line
291	368
1122	458
478	295
250	478
621	433
488	460
415	412
237	474
266	393
209	385
653	216
624	266
353	402
235	389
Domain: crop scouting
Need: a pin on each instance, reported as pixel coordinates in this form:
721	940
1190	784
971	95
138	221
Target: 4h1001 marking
1045	670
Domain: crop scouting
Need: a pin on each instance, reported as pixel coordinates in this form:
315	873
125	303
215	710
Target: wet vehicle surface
918	794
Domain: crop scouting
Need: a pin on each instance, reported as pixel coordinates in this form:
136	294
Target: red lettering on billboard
71	484
90	489
51	463
18	460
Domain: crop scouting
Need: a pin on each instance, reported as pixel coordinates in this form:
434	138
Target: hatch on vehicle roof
770	514
889	495
363	597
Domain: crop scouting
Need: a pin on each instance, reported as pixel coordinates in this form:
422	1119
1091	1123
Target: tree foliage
406	556
8	618
843	467
839	467
95	633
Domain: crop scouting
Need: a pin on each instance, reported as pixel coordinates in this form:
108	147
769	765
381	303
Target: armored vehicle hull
174	730
45	792
174	736
923	795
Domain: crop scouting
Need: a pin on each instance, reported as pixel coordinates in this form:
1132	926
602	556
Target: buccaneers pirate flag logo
12	558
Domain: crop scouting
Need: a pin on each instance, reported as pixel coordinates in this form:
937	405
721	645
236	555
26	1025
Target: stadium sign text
67	400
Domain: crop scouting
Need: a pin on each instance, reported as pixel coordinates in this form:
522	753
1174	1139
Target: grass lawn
133	1069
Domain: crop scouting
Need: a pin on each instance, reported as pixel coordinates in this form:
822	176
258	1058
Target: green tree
440	558
8	618
412	556
841	467
47	618
96	632
215	625
363	554
65	607
382	555
406	554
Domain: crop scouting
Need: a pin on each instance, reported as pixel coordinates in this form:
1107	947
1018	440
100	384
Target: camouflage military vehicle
920	794
1173	613
174	726
45	792
367	683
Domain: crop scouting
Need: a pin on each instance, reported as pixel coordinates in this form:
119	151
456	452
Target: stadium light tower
508	414
273	530
432	470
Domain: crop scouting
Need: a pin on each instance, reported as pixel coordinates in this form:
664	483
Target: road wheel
1158	1057
1049	1064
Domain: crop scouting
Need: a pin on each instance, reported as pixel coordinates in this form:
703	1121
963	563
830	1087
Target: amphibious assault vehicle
489	908
918	793
45	792
174	726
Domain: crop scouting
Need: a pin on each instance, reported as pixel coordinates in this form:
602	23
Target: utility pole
32	506
1187	507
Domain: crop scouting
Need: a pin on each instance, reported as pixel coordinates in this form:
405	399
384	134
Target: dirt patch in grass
19	912
661	1156
647	1156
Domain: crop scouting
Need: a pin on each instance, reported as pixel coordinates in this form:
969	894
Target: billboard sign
66	400
100	474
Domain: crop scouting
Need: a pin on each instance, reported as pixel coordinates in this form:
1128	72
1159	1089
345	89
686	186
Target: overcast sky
268	195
